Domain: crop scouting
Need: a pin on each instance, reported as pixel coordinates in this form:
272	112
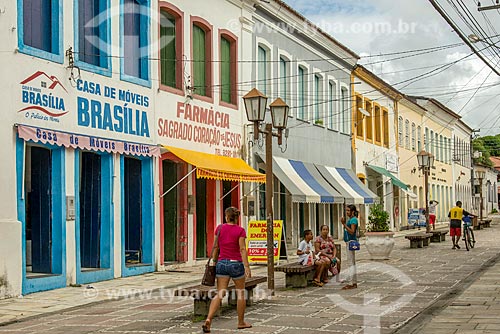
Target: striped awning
348	184
304	182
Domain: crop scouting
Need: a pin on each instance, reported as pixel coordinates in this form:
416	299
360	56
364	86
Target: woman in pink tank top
230	253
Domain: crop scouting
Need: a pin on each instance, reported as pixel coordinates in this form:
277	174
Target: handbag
354	245
209	275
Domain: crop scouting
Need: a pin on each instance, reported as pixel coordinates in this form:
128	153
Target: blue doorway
42	212
90	210
94	216
133	211
137	215
38	211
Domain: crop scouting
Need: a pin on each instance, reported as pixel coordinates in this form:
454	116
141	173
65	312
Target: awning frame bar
178	182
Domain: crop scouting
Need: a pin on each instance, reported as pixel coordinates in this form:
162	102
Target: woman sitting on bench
307	258
325	248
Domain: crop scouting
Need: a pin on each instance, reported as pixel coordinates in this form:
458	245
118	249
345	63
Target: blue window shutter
37	23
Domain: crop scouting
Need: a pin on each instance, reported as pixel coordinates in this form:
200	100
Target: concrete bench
419	240
482	224
298	275
438	236
202	294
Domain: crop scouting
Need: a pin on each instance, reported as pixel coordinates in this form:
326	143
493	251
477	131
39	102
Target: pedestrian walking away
350	233
232	263
456	214
432	213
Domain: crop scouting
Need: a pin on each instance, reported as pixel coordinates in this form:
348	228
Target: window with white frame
413	136
407	134
345	112
419	138
135	39
302	93
400	131
332	106
262	71
284	78
318	100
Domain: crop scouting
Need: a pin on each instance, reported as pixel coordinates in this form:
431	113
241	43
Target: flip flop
206	326
349	287
316	283
244	326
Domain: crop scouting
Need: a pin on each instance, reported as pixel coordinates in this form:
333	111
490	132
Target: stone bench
298	275
482	224
438	236
419	240
202	294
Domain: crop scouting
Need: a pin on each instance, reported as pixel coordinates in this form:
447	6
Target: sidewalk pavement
392	296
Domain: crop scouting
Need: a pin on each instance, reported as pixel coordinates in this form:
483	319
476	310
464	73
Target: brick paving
430	290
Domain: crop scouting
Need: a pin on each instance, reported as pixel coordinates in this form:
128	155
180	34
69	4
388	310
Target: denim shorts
230	268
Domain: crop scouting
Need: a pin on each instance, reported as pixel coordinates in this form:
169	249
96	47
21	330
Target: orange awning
212	166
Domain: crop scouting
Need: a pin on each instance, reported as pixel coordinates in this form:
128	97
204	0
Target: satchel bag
354	245
209	275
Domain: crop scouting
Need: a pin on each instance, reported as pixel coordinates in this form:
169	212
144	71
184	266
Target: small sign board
257	240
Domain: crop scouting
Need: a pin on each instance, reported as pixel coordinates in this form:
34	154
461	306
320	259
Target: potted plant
379	238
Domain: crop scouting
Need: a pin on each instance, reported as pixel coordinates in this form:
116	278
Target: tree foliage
488	146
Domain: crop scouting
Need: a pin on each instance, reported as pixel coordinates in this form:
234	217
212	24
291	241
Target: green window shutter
199	61
225	47
168	52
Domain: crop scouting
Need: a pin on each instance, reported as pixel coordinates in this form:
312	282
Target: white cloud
382	26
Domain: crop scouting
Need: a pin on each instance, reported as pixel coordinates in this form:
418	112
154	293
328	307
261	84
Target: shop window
171	35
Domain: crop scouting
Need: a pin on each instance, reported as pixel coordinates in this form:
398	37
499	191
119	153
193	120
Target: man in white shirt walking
432	213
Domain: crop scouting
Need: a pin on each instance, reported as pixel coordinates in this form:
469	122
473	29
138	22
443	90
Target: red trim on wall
179	27
234	68
193	199
211	214
183	213
205	25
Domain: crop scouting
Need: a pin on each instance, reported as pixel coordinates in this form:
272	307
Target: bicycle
468	237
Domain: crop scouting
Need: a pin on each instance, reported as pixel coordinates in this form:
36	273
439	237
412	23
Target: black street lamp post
425	163
255	105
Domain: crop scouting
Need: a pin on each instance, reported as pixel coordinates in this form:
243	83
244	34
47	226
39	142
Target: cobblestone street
445	290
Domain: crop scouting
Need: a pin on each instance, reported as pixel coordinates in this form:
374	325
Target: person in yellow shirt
456	214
